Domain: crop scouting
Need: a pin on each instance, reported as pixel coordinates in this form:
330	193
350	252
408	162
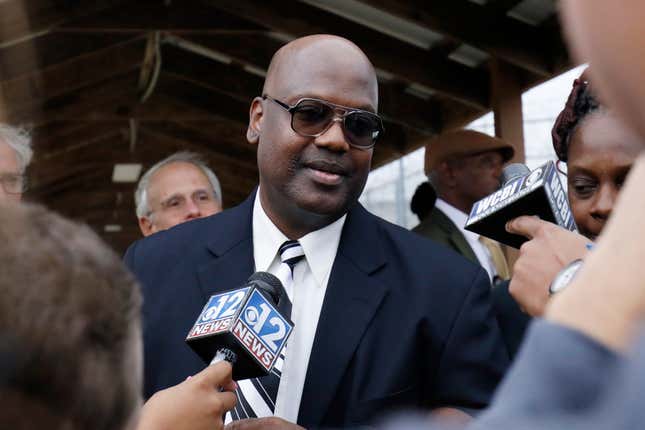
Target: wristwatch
564	276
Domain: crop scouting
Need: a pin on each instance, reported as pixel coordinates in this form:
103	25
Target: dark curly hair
579	105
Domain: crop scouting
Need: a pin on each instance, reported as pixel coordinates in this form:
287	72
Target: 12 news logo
255	323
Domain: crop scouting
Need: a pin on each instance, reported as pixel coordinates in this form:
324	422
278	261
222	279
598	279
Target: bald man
384	319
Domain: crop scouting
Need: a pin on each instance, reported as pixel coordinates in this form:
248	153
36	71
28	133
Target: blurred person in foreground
464	166
177	189
15	156
70	337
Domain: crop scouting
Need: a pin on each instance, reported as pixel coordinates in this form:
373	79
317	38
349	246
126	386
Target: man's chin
323	205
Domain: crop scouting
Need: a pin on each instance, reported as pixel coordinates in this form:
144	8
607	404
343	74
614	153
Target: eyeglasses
13	183
313	117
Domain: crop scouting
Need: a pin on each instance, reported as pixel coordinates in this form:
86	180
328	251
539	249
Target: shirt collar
456	216
319	246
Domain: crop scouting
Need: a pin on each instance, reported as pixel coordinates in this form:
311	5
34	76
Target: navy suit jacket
404	323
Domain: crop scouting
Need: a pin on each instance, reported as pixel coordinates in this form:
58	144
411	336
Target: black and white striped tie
256	397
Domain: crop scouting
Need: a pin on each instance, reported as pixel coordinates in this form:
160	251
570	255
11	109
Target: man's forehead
8	156
325	67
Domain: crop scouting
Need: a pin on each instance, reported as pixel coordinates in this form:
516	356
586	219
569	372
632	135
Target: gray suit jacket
438	227
561	380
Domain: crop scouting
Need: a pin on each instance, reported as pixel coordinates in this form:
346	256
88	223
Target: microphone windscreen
269	283
513	171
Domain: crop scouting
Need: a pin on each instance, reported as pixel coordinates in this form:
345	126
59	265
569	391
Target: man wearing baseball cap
464	166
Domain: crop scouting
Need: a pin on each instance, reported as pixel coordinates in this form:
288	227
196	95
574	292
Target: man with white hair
177	189
15	155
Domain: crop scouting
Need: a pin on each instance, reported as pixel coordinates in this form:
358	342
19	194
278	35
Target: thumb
218	375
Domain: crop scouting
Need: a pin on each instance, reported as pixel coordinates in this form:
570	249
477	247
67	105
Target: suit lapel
351	300
231	249
455	236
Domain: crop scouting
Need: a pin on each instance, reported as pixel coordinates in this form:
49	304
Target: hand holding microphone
195	404
548	250
524	192
240	333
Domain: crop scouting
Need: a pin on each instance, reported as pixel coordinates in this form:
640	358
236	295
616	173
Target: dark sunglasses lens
311	117
362	128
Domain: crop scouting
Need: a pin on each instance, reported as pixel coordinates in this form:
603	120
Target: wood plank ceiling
113	81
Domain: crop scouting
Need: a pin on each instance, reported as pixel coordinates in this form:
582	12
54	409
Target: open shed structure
109	82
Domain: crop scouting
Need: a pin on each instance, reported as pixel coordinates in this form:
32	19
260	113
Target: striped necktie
256	397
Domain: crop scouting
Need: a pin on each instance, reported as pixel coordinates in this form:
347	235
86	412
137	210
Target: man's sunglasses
313	117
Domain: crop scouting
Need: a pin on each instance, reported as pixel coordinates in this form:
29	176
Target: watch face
563	278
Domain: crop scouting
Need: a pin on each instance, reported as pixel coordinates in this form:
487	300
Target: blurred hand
548	251
195	404
270	423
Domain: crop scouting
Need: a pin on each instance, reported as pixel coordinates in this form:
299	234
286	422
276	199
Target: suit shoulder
174	238
166	248
419	247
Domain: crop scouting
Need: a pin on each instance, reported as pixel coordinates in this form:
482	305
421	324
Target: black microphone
524	192
247	326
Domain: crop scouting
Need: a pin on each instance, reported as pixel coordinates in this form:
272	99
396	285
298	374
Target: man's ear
146	227
255	121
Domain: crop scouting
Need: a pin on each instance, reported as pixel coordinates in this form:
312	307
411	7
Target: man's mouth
327	173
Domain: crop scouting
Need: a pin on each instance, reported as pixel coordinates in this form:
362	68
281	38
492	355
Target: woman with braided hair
598	150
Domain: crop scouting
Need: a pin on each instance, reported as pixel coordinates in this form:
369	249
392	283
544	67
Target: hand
606	299
270	423
452	417
196	403
548	251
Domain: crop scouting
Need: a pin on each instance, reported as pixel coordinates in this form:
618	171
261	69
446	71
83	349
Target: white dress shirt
310	284
459	218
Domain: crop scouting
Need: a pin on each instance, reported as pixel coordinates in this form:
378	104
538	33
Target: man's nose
192	209
334	137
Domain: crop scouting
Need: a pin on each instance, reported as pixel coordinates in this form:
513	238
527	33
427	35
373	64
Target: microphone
524	192
246	326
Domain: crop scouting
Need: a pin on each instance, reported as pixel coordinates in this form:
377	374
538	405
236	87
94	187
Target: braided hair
579	105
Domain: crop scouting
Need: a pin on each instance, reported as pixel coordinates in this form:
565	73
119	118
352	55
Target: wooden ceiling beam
203	98
82	104
156	141
50	138
296	19
53	49
499	35
502	6
72	75
186	16
116	99
21	20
